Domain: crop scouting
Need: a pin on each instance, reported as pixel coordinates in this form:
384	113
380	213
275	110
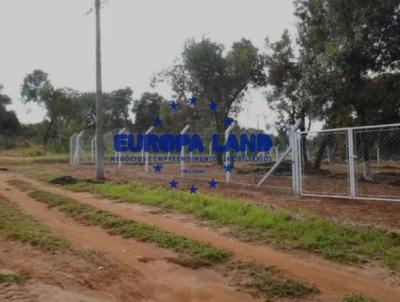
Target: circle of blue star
193	189
173	184
213	184
157	168
193	101
213	106
228	169
228	122
173	106
157	122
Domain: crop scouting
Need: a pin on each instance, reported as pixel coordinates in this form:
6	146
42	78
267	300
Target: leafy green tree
346	69
9	123
146	109
284	78
208	73
58	103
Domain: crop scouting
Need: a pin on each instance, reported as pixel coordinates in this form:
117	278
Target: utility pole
99	100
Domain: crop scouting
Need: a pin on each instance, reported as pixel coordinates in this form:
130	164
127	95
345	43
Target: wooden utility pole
99	101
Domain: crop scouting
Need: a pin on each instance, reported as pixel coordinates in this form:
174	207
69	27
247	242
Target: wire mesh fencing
359	162
377	162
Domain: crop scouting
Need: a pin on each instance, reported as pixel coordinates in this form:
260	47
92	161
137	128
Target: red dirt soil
334	280
158	280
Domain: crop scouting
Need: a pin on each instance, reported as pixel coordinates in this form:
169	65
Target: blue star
213	184
193	190
193	100
228	169
228	122
157	122
173	184
157	168
173	106
213	106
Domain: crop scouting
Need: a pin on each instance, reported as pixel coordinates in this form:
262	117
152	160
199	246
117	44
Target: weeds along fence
354	163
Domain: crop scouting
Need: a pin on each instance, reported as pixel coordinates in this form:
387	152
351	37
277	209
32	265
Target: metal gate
355	163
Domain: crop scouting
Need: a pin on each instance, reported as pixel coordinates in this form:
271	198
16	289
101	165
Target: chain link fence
360	162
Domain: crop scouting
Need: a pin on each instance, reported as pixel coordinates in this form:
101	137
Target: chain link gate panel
359	162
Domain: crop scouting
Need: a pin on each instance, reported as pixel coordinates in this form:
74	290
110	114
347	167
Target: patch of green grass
193	253
266	282
11	278
344	243
15	225
21	185
358	298
47	176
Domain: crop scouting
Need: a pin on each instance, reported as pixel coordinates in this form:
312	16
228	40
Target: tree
146	109
58	103
348	49
284	79
208	73
9	123
116	106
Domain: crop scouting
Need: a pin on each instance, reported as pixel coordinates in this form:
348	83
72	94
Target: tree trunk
320	153
47	133
99	101
367	175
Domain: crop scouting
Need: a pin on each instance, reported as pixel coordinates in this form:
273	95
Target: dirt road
160	280
335	281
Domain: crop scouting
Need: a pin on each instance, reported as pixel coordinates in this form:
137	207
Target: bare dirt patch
65	276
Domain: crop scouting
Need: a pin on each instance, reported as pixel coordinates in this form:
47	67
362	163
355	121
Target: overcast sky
139	39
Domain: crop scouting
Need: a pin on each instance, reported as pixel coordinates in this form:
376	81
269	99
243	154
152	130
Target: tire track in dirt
334	280
163	281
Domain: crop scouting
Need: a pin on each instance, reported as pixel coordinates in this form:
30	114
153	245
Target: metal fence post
228	175
183	151
77	148
71	148
146	156
93	149
299	164
351	163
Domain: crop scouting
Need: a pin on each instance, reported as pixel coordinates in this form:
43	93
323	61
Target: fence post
292	139
228	131
299	163
93	148
77	148
183	151
282	158
71	148
351	163
146	156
